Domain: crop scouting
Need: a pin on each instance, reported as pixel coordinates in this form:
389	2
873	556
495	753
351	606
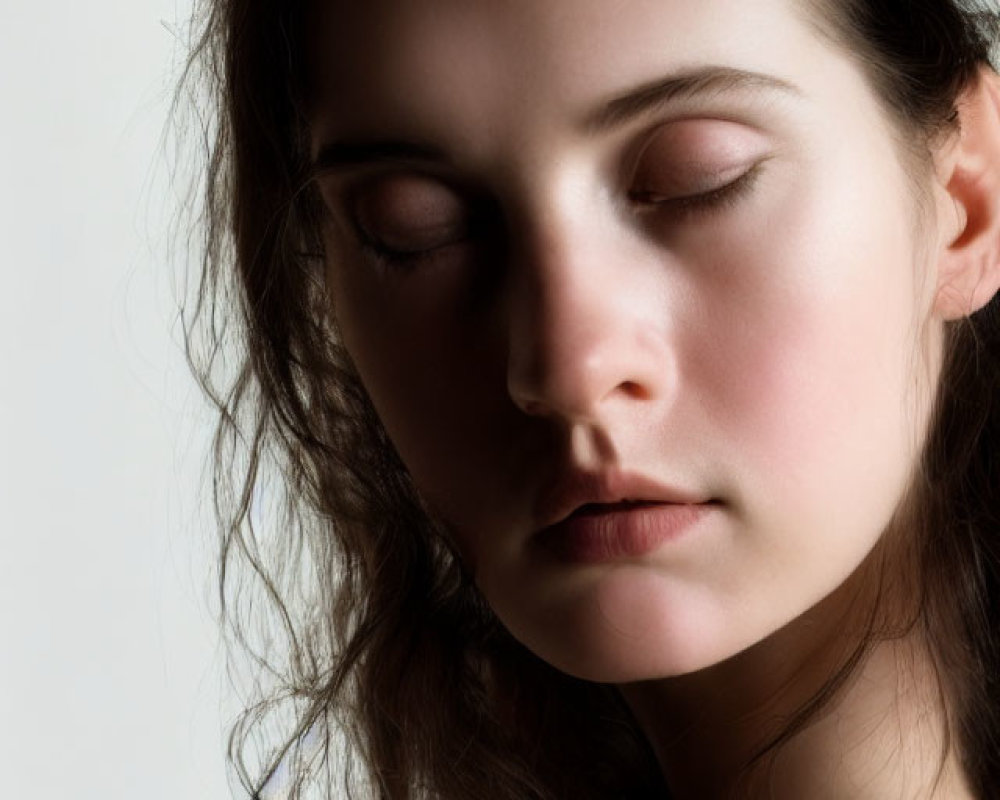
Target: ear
969	170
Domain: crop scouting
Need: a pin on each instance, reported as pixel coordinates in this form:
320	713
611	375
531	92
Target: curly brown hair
370	646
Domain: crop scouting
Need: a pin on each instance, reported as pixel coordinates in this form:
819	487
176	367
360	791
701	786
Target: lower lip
618	532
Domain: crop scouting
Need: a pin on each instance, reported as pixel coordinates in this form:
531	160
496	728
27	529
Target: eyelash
679	209
682	209
400	260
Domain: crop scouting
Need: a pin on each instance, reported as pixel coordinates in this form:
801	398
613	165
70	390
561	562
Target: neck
883	733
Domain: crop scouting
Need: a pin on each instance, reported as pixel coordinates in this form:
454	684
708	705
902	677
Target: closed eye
402	219
403	259
716	199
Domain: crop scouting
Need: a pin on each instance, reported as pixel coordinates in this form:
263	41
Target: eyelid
407	207
341	191
693	156
715	180
719	196
422	217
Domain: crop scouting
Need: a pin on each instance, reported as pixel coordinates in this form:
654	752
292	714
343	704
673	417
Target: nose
588	327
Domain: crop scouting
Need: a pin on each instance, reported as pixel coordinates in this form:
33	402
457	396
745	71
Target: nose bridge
582	331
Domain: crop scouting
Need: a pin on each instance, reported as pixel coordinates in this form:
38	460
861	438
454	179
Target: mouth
578	493
589	518
595	509
602	532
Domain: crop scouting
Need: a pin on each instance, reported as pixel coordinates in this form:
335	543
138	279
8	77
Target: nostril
635	390
532	407
574	402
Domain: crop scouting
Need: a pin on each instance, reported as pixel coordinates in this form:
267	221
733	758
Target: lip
600	533
591	518
576	488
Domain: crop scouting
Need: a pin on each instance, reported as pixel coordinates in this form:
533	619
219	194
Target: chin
652	659
639	627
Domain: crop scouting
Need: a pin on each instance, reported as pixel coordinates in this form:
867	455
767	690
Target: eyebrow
709	80
345	154
685	85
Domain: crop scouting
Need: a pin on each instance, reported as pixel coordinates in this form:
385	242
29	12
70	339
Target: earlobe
969	264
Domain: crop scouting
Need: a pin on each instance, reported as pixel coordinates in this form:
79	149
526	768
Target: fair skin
771	358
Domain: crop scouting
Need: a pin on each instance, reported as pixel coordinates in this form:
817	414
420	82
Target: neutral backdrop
110	673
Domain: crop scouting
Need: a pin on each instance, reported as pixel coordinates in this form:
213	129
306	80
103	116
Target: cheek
407	369
433	380
811	380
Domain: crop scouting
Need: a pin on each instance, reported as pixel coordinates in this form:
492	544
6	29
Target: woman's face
635	290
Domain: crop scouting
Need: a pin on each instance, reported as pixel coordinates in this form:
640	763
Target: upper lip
577	488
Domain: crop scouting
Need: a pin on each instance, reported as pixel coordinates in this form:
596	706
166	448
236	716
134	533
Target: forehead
446	69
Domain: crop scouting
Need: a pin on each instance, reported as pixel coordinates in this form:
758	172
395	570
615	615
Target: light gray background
110	675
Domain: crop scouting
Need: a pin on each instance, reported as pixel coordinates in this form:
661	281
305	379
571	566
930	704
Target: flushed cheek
809	380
